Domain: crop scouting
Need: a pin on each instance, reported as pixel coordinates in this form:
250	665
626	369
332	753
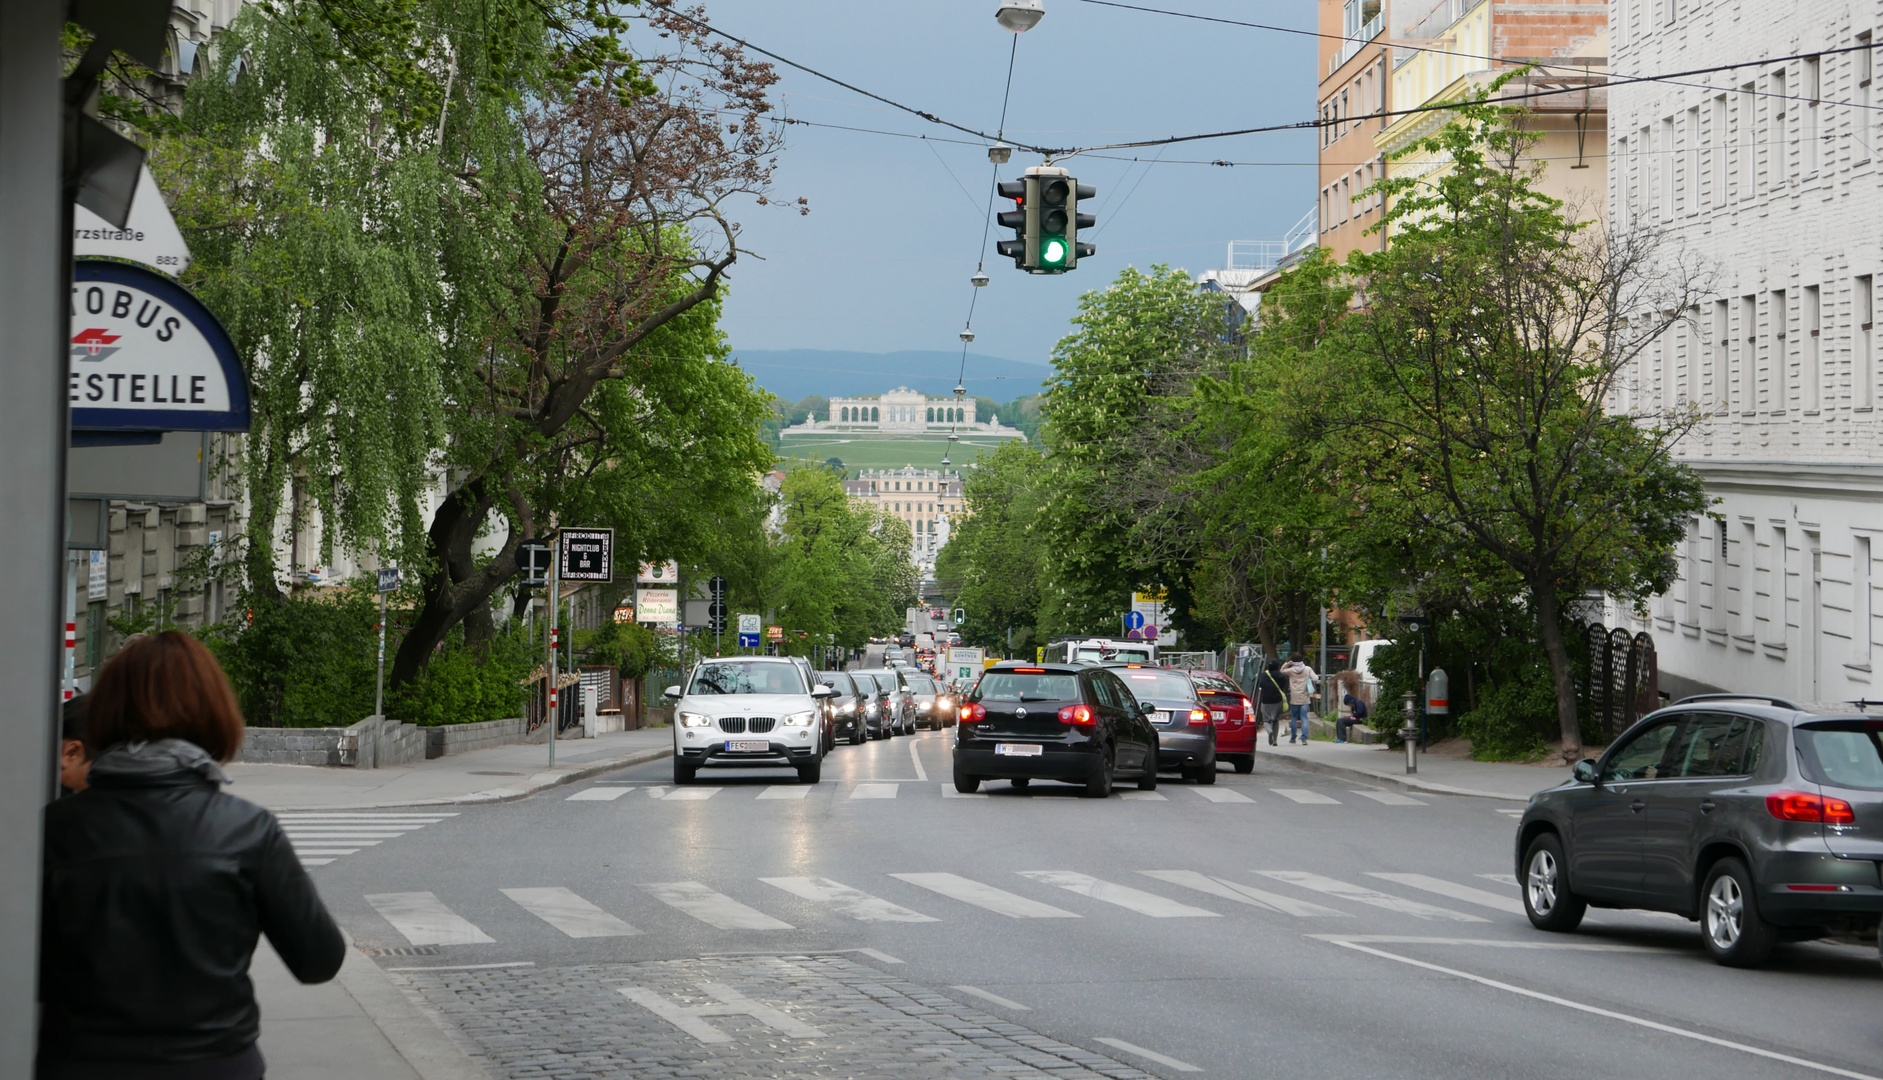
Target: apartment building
929	500
1764	172
1354	92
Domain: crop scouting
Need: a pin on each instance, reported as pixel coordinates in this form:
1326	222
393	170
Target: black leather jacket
156	885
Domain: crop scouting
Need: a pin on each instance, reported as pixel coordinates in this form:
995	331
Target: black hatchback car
1069	722
1761	819
1186	732
847	707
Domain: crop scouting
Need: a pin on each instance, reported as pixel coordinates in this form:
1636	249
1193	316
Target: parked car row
758	711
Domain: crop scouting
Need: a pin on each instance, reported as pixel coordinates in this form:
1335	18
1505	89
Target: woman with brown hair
157	884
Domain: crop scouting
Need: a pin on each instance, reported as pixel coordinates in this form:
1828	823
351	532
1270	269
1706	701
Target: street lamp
1020	15
967	334
979	279
1000	153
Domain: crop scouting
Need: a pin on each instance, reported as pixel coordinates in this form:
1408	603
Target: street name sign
149	236
145	355
587	555
388	579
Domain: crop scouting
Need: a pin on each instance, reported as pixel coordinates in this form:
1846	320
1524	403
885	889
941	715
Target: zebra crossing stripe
1361	895
1469	895
1144	796
598	794
569	913
1390	798
1244	894
1303	795
690	794
425	920
873	791
1144	903
998	901
1222	795
785	791
845	900
712	908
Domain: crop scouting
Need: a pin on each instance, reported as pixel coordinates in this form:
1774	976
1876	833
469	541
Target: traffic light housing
1046	221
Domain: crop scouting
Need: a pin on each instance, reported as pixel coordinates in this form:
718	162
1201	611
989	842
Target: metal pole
71	626
379	681
555	579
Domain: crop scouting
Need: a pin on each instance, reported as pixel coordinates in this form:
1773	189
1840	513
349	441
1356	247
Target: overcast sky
883	260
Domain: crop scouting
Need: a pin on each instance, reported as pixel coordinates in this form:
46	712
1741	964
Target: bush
466	685
631	647
306	662
1513	718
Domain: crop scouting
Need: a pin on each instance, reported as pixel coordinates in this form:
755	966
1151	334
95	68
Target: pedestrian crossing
881	789
320	838
423	918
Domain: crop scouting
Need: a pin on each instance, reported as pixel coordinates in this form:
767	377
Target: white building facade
928	500
905	411
1770	173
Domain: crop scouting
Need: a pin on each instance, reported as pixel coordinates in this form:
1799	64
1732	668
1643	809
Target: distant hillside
793	374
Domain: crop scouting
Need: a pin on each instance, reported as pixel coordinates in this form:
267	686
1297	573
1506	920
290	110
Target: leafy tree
842	570
1472	397
994	563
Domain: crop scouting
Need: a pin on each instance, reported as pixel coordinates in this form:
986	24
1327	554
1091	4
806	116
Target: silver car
749	711
900	710
934	706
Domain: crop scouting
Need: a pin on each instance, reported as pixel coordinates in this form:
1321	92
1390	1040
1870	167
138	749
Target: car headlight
849	706
693	719
921	706
801	719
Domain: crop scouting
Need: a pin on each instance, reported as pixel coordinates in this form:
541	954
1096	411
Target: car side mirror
1584	772
1146	707
671	691
820	690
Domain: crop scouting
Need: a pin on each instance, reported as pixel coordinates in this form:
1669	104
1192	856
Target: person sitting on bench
1356	714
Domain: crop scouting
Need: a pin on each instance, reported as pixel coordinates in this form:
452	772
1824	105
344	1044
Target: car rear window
745	677
1844	754
1025	686
836	680
1215	684
921	684
1157	684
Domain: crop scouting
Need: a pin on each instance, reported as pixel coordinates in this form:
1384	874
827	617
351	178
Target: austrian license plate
1018	749
1163	716
1220	715
748	744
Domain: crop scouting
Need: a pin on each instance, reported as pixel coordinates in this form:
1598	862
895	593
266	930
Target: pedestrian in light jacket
157	885
1300	692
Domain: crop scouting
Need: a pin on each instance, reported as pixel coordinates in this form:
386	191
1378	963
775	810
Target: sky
883	260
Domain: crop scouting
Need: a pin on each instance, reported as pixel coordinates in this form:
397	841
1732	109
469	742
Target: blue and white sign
1134	620
748	631
148	356
388	578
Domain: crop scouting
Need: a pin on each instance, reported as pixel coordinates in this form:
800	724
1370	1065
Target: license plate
1012	749
748	744
1163	716
1220	715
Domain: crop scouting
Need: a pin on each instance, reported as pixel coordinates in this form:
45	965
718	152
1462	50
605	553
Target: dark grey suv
1759	818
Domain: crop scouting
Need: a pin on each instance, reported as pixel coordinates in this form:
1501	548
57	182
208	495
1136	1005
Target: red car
1236	720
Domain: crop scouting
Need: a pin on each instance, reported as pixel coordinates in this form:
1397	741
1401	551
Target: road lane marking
1610	1014
1390	798
847	901
657	792
425	920
690	794
998	901
1559	946
1503	879
1005	1003
877	955
311	815
1222	795
1303	795
1244	894
1145	796
785	791
598	794
1144	903
468	967
712	908
688	1018
302	840
317	862
921	774
333	852
1362	895
569	913
873	791
1150	1055
1469	895
949	792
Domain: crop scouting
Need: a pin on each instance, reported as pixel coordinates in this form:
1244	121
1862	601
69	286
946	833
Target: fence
568	700
1624	680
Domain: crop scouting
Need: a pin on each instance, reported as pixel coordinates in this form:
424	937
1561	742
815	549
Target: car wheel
965	784
683	772
1099	787
1245	764
1202	773
1147	780
811	771
1734	931
858	735
1021	782
1545	887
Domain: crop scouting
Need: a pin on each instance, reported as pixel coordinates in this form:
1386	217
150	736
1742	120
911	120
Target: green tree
994	563
1473	398
842	571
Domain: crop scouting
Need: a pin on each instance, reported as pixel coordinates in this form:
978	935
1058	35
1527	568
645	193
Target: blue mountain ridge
793	374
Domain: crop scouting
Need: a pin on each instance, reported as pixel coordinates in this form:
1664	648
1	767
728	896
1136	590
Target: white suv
749	711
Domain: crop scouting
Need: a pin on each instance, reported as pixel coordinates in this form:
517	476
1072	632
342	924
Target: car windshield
1845	754
1026	686
865	684
921	684
1124	654
1215	684
748	677
1158	685
836	680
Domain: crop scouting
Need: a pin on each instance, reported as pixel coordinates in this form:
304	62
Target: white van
1362	662
1097	650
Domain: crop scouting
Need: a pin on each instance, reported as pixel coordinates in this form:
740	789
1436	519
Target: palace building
906	412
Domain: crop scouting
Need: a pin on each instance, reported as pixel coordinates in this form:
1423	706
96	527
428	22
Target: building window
1719	373
1865	65
1775	378
876	414
1747	395
1808	377
1811	69
1719	150
1864	389
1779	139
1861	630
1748	140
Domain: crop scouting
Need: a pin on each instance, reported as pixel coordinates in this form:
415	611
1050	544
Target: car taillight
1199	717
1804	806
1080	715
1248	709
973	714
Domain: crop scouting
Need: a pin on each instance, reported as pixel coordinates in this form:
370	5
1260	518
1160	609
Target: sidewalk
1438	774
495	775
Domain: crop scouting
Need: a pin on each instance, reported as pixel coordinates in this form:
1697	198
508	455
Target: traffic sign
1134	620
533	562
587	555
388	579
748	631
716	588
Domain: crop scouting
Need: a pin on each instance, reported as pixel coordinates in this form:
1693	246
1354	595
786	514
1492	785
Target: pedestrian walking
1269	687
157	884
1301	686
1356	714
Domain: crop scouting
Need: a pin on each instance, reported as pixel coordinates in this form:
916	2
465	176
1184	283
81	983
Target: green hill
863	451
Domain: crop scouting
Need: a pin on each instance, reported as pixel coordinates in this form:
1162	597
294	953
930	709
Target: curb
503	795
1388	780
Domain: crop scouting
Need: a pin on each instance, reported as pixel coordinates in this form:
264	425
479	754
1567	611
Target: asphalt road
1279	924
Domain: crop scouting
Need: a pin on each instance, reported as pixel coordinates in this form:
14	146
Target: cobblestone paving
653	1020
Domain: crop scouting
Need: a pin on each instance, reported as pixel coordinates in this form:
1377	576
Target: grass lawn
863	451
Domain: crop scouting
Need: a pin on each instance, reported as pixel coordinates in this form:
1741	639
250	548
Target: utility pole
555	576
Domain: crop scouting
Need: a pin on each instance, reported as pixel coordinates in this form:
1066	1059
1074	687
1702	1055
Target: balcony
1354	43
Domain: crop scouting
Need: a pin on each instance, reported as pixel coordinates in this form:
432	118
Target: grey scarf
162	757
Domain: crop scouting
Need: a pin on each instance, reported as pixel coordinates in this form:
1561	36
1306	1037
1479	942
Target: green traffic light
1053	251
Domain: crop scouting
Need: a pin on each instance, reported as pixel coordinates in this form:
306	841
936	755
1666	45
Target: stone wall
448	739
295	746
